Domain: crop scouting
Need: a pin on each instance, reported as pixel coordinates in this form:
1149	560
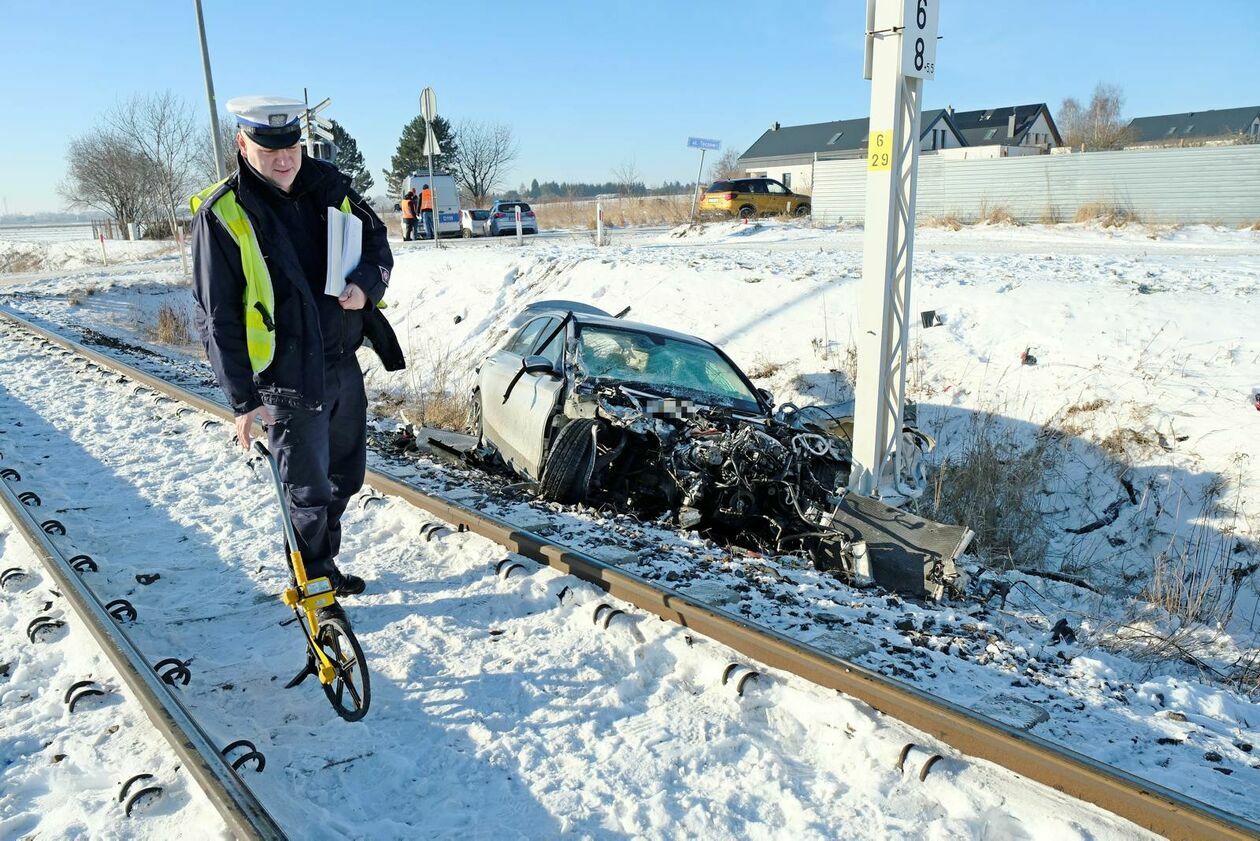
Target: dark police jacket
311	329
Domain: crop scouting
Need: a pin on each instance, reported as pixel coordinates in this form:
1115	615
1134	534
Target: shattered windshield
652	361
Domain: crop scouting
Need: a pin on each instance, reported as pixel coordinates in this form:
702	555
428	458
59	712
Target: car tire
466	234
747	212
802	210
566	475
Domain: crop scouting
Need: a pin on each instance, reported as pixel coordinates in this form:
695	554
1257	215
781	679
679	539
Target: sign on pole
431	145
428	104
918	41
704	145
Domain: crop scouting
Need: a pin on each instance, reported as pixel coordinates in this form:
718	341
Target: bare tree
726	166
162	129
627	177
484	154
1099	126
107	174
206	170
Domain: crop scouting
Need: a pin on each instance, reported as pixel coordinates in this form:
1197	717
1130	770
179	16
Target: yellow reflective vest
260	300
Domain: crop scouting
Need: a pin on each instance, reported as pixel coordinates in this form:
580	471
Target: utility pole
900	54
215	140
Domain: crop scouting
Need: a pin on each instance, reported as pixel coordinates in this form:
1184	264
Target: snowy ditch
1153	717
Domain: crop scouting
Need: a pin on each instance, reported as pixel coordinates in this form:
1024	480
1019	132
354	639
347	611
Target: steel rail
245	816
1145	803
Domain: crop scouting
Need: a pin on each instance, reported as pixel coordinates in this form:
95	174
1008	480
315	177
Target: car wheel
566	476
467	234
802	210
747	212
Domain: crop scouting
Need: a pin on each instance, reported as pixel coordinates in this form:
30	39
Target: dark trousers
426	221
322	458
409	228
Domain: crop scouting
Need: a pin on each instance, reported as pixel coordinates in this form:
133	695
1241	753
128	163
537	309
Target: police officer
281	349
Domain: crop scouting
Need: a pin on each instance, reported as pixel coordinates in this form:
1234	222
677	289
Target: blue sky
587	86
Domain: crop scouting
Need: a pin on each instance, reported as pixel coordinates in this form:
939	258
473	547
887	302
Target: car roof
596	317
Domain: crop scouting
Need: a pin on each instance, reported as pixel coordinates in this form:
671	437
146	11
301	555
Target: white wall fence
1219	184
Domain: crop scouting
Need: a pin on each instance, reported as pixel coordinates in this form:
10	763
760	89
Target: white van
445	200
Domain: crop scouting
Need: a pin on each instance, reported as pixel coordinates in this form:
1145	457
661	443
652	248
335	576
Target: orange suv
748	198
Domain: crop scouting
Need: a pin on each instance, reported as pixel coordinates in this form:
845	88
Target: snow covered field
500	711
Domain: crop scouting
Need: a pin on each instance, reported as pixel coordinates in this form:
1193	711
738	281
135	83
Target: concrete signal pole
900	54
215	140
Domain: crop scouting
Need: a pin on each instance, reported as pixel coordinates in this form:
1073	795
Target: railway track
1148	805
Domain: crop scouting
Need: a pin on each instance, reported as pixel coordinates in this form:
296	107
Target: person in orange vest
408	207
426	211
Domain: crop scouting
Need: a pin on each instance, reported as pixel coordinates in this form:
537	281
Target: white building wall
1039	134
799	177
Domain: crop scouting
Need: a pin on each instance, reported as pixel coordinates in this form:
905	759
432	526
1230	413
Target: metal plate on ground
712	593
1012	711
840	644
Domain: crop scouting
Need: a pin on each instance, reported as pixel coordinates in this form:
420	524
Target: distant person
426	211
409	205
281	349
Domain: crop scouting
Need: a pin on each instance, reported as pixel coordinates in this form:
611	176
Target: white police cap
270	121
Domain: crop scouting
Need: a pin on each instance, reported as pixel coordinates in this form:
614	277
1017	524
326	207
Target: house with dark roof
1223	125
788	152
1025	126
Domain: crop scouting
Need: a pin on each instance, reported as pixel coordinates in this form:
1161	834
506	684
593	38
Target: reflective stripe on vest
260	301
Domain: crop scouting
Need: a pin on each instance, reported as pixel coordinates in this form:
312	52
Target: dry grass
1254	226
1107	215
1197	578
762	368
991	482
1126	444
432	395
170	326
996	215
618	213
949	221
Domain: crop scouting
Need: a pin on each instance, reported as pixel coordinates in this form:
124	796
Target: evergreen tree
350	160
410	156
534	190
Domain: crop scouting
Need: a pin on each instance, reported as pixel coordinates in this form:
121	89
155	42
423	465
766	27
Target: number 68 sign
918	38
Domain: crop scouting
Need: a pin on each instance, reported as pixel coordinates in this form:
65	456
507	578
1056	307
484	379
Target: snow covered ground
1145	354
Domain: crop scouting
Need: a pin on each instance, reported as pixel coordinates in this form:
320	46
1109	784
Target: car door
777	197
761	197
518	425
493	379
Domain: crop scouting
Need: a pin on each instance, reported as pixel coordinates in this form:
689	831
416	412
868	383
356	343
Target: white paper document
345	246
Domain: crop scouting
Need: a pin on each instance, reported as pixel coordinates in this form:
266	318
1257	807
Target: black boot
347	585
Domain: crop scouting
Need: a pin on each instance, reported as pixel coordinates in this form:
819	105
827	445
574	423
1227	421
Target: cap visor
281	140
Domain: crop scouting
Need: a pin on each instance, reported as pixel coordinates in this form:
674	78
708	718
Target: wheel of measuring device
350	692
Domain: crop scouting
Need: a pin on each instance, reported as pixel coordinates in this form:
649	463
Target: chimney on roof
949	109
774	126
1010	125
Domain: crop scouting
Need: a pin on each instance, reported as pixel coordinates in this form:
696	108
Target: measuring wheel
350	691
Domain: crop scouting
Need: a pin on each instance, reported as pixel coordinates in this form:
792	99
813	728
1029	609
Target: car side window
524	341
743	187
757	187
554	349
775	188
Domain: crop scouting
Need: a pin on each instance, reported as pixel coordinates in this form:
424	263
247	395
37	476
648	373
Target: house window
834	138
988	135
787	180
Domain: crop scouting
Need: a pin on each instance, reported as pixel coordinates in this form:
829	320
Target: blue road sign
701	143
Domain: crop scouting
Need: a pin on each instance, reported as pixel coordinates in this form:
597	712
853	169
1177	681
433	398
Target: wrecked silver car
599	410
